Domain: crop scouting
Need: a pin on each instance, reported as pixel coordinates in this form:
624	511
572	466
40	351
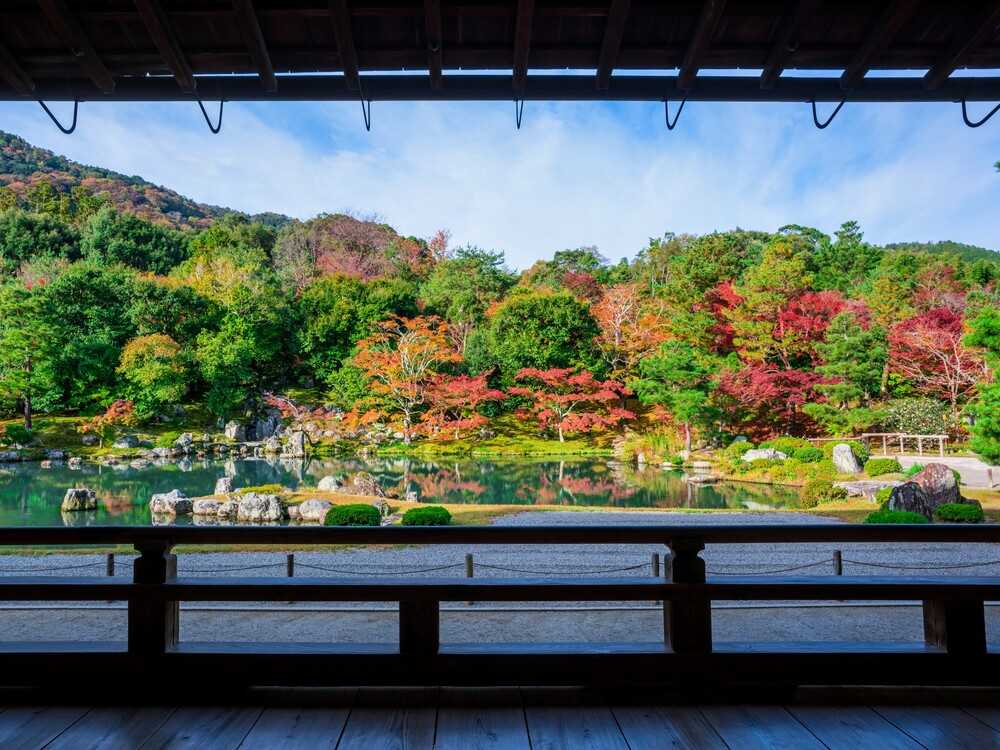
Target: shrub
917	416
431	515
882	497
355	514
895	516
166	439
736	449
877	466
959	513
15	433
860	450
787	445
914	470
677	460
808	455
818	491
263	489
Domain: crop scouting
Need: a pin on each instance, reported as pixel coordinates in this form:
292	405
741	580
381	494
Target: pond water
31	495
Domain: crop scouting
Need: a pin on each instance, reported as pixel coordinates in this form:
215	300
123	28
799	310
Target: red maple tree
453	404
769	399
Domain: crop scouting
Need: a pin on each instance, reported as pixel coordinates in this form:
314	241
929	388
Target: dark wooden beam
12	72
617	14
340	15
785	39
68	28
165	38
522	42
887	24
978	30
432	24
254	40
708	22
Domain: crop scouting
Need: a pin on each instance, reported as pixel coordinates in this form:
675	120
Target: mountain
968	253
23	168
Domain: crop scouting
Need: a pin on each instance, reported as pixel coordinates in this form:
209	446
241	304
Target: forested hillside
970	253
698	340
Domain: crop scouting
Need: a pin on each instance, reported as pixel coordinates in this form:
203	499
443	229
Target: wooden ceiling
268	49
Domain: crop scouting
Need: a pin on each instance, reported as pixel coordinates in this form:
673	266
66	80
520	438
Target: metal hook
366	112
72	127
518	112
214	128
970	123
666	113
824	125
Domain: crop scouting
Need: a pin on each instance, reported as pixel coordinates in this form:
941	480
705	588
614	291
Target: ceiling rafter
522	42
154	17
613	31
253	38
12	72
785	40
885	28
340	16
69	30
704	31
977	31
435	57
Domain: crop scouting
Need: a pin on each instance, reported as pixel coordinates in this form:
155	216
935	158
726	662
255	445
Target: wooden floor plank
852	727
204	728
297	729
573	728
111	728
657	727
490	719
391	720
763	727
986	714
939	727
31	727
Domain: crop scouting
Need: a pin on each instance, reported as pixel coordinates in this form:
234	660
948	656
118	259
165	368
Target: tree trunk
560	433
884	385
27	411
687	436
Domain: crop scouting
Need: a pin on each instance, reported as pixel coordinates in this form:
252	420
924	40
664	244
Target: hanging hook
666	113
214	128
366	111
72	127
518	112
970	123
824	125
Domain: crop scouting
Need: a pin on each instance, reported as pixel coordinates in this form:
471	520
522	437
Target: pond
30	495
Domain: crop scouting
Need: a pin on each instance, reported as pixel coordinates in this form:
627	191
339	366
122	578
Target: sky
575	174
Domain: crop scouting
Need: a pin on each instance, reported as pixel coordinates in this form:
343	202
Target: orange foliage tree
629	329
120	414
571	402
453	404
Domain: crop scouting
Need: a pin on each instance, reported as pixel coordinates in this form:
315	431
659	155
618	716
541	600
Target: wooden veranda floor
509	719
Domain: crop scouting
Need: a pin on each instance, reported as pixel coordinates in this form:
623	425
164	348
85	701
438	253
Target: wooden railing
954	649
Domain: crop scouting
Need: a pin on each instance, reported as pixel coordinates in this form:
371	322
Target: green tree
846	262
25	236
113	237
985	409
26	351
155	372
855	356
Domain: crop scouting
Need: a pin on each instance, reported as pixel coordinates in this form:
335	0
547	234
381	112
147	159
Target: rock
90	440
293	513
229	509
701	478
844	460
139	463
364	483
701	464
296	445
257	508
77	499
223	486
866	488
55	455
272	445
173	503
763	453
206	438
911	496
938	483
184	441
266	427
313	510
412	496
206	506
236	431
329	484
9	457
75	462
383	507
126	441
46	464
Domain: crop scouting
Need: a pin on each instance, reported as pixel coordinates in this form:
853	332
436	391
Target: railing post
470	570
687	619
290	565
153	624
838	562
109	564
419	627
956	625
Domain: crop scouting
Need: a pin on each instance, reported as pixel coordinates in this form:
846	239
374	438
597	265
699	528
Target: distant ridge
947	247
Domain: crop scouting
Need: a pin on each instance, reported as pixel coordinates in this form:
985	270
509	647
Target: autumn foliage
120	414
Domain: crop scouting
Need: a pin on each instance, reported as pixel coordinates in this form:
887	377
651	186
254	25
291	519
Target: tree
571	402
113	237
25	236
155	371
928	351
678	379
843	264
454	401
764	400
854	356
401	361
106	426
985	410
26	350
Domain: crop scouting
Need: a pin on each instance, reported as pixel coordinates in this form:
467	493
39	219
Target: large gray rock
236	431
77	499
90	439
266	427
166	452
296	445
911	496
364	483
184	441
763	453
206	506
173	503
866	488
74	462
229	509
272	446
329	484
223	486
938	483
9	457
126	441
258	508
314	510
844	460
55	455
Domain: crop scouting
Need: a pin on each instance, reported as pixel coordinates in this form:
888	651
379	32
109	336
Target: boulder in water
364	483
236	431
330	484
223	486
173	503
206	506
77	499
313	510
259	508
126	441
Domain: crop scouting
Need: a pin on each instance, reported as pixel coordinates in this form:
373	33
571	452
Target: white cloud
576	174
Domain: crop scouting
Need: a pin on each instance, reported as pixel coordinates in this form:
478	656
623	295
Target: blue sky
576	174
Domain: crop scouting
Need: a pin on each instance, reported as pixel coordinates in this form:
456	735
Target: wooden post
469	570
885	446
687	619
654	565
110	564
838	562
153	626
958	626
901	449
920	445
941	446
290	564
419	627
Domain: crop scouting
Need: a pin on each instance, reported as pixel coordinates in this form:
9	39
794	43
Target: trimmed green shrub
914	470
809	455
882	497
15	433
916	416
959	513
166	439
860	450
263	489
787	445
895	516
355	514
736	449
677	460
431	515
818	491
877	466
